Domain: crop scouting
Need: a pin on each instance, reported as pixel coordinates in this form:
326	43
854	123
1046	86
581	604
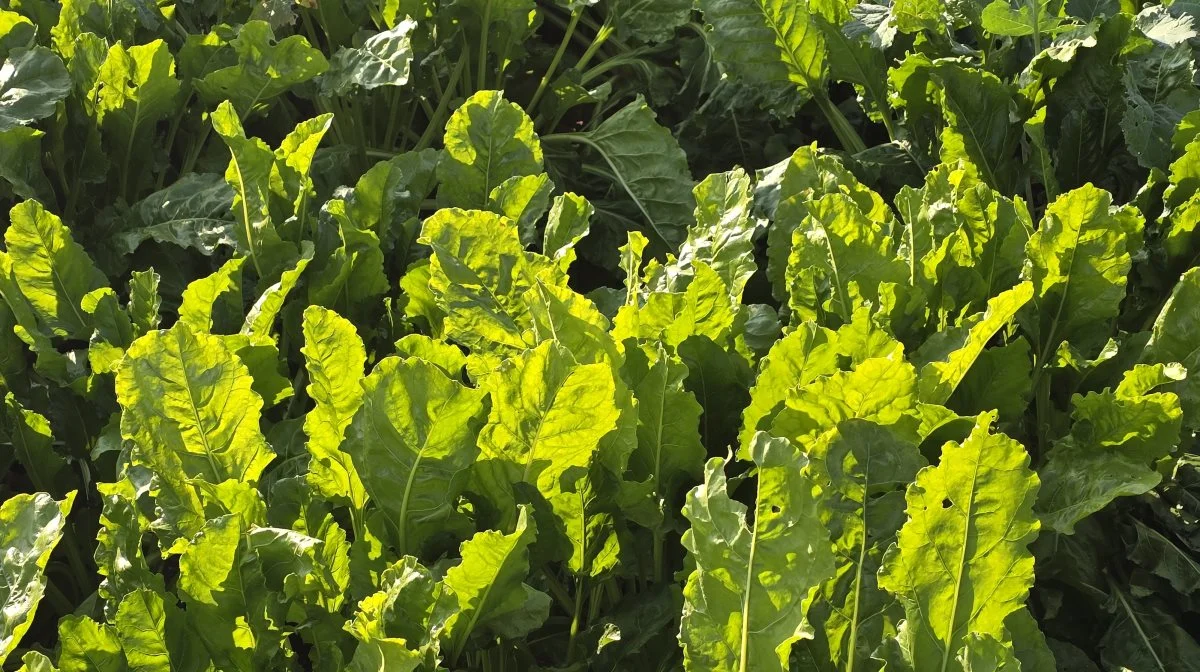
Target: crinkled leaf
649	21
862	467
960	565
134	89
335	359
190	413
414	441
979	122
1175	337
488	140
486	587
646	163
21	163
382	60
949	355
745	602
800	357
208	303
1115	438
52	271
28	432
1078	261
192	213
523	199
570	216
265	68
32	81
668	450
722	236
33	525
547	418
88	646
249	173
838	245
773	43
260	319
1159	90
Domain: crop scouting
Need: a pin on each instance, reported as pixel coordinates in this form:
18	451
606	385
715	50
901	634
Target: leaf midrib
187	385
411	480
962	561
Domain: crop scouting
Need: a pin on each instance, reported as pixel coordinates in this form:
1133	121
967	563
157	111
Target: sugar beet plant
505	335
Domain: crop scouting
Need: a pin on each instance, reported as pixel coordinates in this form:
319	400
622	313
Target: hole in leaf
775	509
946	503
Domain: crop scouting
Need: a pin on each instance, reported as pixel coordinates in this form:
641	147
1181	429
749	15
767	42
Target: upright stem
407	130
197	147
1037	27
1042	410
849	138
658	554
481	75
602	35
389	137
75	560
575	619
562	48
55	597
162	176
435	124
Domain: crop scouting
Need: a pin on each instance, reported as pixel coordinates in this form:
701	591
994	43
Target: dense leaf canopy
566	335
